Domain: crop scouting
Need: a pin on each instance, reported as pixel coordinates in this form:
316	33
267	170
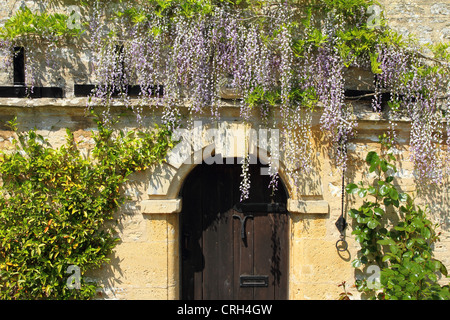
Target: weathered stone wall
145	264
428	21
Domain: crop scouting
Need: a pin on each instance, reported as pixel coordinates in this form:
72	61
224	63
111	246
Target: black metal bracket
19	66
275	207
84	90
341	224
19	91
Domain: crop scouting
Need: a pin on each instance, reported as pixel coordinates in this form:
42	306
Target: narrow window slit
19	66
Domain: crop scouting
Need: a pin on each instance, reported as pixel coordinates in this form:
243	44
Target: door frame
281	185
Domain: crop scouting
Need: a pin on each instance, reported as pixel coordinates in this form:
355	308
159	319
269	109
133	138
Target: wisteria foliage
274	56
191	56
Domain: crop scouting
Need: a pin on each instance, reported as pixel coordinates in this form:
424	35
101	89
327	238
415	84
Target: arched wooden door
232	250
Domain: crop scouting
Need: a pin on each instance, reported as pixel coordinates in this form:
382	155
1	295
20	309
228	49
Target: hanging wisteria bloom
288	68
415	93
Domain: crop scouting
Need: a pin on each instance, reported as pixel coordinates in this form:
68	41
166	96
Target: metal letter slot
253	281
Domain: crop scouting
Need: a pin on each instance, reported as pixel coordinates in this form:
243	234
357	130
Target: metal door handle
185	245
186	238
243	220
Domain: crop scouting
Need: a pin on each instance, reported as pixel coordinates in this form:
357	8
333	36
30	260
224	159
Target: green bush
404	252
56	206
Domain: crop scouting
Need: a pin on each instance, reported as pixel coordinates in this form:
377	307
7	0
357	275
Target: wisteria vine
277	54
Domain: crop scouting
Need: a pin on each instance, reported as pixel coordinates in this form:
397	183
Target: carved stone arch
167	180
185	169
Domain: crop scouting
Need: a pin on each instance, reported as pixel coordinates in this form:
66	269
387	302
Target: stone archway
165	200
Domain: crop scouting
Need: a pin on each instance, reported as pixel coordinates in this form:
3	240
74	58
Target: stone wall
145	264
427	21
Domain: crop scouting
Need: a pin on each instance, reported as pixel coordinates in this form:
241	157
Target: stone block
160	206
308	206
160	179
358	79
308	226
156	228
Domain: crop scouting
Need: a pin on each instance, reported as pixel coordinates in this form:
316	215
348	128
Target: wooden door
232	250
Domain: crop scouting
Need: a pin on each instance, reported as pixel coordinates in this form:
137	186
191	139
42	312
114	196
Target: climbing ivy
403	250
57	207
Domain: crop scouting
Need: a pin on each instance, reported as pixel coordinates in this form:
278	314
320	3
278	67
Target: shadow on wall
108	278
437	200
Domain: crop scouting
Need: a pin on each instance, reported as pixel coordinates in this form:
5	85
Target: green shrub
404	252
55	207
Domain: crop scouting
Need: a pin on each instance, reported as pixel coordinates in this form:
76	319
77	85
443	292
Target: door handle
243	220
185	245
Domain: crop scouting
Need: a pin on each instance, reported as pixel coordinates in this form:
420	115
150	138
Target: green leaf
373	223
372	158
384	165
372	190
393	193
379	212
387	201
353	213
375	64
384	189
351	188
432	277
373	167
362	193
356	263
410	243
426	233
417	223
386	242
364	260
394	248
443	269
403	197
408	255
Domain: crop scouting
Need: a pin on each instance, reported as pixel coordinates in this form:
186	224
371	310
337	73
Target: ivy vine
401	247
